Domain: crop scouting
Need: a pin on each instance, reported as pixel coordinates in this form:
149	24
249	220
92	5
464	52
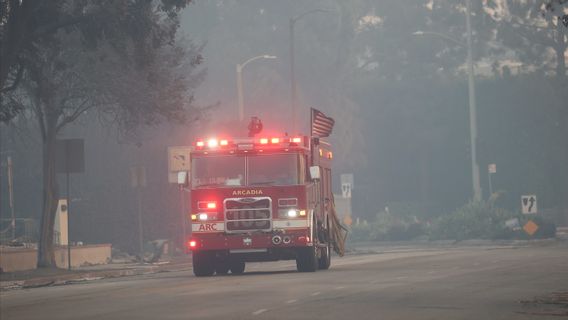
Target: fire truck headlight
203	217
212	143
292	213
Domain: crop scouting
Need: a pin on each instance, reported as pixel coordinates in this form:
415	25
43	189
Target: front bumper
243	241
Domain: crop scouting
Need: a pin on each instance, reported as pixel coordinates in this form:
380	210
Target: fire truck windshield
273	169
225	170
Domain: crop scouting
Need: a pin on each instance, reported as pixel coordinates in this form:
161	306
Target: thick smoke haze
399	99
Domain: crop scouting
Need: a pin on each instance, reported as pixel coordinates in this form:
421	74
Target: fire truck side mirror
315	172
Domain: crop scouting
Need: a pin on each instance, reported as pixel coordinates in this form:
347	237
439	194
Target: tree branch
68	119
57	25
16	82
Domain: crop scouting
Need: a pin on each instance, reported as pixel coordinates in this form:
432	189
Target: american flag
322	125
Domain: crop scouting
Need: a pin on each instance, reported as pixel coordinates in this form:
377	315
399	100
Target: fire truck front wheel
222	267
237	267
306	259
203	263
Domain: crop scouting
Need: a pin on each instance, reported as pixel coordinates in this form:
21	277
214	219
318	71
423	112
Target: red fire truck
263	198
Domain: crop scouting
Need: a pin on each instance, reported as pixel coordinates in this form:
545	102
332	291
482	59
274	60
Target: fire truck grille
248	214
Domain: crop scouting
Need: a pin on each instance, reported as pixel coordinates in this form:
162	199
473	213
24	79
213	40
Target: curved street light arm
264	56
300	16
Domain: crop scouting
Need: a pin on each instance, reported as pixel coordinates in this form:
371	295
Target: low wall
17	259
20	259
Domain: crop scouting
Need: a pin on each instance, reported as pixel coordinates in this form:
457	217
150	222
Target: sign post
138	180
179	166
491	169
70	158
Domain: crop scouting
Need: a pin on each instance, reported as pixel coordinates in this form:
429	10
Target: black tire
306	259
203	263
222	267
324	262
237	267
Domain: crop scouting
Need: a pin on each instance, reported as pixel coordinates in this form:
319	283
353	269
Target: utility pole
240	92
292	76
476	187
293	84
472	108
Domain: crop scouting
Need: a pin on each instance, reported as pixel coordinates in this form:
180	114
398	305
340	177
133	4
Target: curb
88	276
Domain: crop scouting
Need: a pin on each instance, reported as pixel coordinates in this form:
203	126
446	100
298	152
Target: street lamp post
293	87
472	103
240	68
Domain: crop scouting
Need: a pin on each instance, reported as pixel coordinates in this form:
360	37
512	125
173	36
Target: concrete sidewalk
51	277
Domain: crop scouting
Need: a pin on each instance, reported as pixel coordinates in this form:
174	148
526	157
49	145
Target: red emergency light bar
202	205
220	144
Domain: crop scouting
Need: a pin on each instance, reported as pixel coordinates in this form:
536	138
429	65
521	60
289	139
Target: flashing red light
200	144
224	142
192	244
263	141
297	140
205	205
275	140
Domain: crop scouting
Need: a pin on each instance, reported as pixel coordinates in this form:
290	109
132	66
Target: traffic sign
492	168
178	160
528	203
530	227
347	178
346	190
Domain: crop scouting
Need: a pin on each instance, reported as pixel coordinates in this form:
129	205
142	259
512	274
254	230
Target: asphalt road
458	283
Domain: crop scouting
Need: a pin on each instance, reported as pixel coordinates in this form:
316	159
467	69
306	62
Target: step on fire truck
263	198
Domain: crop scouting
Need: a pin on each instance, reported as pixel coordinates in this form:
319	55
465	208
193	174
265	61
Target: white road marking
316	294
257	312
401	278
291	301
431	272
339	288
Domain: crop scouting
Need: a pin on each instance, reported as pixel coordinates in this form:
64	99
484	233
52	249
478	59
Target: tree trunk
46	255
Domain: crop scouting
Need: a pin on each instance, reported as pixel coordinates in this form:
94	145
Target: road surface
457	283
